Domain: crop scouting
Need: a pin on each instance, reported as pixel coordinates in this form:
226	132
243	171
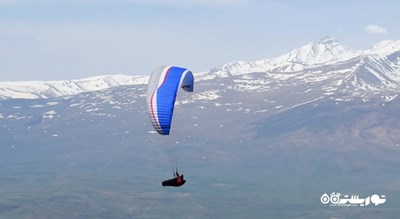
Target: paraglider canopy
163	87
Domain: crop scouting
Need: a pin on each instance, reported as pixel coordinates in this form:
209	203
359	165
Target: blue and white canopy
162	89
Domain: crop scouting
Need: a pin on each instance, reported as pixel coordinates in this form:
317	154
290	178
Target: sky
73	39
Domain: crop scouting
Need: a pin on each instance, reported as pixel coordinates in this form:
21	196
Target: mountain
48	89
325	65
325	59
252	144
385	47
322	52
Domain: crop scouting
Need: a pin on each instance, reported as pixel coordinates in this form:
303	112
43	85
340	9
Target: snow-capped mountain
325	64
48	89
384	47
327	51
322	52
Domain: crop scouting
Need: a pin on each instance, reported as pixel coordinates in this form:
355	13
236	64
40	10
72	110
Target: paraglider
162	90
176	182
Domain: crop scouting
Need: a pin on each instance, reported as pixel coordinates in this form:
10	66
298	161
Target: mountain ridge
327	50
49	89
370	70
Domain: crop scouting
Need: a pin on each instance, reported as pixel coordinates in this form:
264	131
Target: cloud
375	29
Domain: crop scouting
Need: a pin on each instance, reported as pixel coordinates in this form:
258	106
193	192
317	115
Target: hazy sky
72	39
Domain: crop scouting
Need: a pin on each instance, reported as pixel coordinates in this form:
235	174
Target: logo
334	199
